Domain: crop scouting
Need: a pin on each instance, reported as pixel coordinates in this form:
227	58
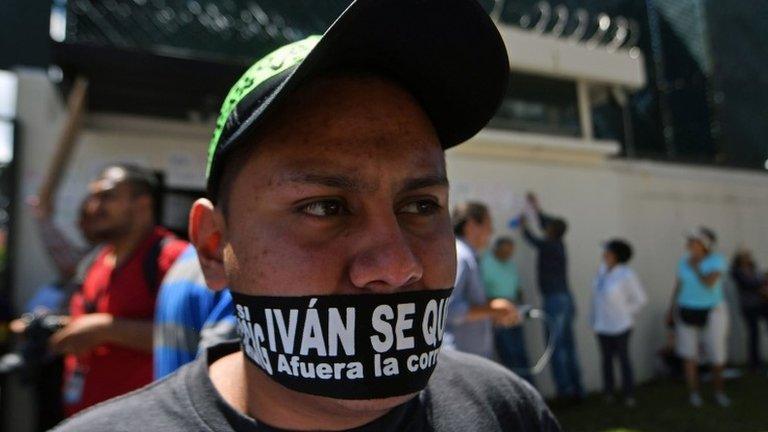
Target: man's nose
385	261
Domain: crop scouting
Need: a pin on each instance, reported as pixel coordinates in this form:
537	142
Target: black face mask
365	346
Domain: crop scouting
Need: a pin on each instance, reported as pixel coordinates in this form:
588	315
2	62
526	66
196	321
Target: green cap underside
274	63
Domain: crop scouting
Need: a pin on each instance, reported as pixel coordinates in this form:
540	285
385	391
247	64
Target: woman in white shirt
617	296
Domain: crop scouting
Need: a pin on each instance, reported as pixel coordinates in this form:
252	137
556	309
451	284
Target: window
539	105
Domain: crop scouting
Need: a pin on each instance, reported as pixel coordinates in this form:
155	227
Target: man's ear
205	234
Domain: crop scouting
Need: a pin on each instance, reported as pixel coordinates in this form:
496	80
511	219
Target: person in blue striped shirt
189	317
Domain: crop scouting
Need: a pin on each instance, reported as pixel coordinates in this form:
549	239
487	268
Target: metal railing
596	31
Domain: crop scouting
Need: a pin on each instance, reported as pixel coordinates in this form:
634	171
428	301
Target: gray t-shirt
466	393
475	337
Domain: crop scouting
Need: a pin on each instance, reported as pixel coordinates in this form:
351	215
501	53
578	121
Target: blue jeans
510	344
565	365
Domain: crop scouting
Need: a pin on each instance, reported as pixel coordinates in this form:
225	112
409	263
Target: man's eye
422	207
323	208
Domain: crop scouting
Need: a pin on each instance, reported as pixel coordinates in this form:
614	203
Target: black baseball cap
447	53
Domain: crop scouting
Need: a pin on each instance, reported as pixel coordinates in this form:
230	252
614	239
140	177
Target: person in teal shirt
695	292
502	280
700	314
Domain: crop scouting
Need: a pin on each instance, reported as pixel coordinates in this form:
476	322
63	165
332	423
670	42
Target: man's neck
250	391
122	247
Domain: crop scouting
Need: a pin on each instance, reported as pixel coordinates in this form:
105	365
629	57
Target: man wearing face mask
328	221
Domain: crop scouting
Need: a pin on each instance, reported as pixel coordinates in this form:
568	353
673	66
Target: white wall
650	204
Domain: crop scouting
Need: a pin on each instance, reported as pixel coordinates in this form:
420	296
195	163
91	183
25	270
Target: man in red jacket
108	341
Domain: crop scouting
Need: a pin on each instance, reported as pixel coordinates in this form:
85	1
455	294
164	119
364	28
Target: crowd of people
134	303
484	318
136	300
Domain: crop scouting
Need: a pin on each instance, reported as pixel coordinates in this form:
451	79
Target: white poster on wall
506	205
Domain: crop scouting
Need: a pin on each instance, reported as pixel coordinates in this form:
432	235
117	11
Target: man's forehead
368	134
109	180
343	154
342	91
102	185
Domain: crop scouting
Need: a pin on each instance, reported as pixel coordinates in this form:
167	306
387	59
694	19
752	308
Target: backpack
149	266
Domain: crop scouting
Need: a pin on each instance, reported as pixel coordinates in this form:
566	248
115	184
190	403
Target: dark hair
741	257
235	162
621	249
503	240
463	213
709	233
141	181
559	227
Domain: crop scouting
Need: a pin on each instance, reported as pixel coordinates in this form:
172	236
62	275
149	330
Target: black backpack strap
150	266
75	283
84	266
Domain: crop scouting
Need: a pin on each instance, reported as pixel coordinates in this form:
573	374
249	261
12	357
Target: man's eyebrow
339	181
425	182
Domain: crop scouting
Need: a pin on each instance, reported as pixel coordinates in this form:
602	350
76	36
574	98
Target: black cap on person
447	53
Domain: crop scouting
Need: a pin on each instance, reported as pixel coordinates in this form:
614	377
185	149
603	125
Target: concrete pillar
585	110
